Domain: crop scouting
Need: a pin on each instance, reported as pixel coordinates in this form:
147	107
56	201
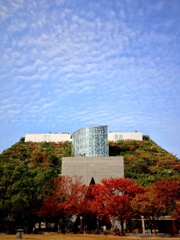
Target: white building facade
62	137
49	137
115	136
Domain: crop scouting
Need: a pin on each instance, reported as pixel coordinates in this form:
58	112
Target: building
91	156
90	142
93	167
62	137
49	137
91	152
115	136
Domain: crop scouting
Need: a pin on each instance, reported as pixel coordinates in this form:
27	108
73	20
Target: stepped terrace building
91	152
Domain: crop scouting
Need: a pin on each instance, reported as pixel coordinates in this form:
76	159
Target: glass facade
90	142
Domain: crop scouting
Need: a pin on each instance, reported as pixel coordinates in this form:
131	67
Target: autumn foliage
117	198
67	198
158	200
113	198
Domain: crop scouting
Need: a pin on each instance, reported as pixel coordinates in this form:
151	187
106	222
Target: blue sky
67	64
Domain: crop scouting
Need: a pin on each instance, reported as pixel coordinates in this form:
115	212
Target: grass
55	236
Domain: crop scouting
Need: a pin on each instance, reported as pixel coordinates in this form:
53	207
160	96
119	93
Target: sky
68	64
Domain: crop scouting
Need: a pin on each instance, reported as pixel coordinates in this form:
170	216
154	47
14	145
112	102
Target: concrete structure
62	137
93	167
90	142
50	137
91	150
115	136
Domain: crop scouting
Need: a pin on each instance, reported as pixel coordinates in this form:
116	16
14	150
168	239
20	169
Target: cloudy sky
67	64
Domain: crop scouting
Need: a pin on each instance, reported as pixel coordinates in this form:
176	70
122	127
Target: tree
113	197
22	191
67	200
147	205
157	200
169	191
176	211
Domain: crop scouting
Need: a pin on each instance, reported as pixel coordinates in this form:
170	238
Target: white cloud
3	12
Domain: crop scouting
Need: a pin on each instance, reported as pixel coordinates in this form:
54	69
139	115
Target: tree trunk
122	227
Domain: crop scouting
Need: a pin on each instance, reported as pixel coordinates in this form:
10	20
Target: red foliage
176	212
157	199
167	191
67	199
32	146
113	197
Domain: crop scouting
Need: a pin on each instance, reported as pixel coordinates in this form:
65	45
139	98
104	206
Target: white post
143	224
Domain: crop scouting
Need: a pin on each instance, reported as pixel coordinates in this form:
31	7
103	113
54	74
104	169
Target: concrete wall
114	136
61	137
51	137
96	167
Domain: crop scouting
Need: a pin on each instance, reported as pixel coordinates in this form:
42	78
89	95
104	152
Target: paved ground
159	235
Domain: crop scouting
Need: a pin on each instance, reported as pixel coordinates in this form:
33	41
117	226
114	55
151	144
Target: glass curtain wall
90	142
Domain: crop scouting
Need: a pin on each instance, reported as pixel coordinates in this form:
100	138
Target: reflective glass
90	142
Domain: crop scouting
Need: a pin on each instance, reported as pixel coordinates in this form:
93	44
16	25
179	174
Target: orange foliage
113	197
67	199
157	199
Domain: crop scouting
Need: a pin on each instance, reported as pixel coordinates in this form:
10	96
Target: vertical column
143	224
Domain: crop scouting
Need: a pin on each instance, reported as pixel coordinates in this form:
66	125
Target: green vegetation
27	173
28	170
36	154
145	161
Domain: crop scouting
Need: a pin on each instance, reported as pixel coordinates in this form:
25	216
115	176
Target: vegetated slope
144	161
44	154
27	173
